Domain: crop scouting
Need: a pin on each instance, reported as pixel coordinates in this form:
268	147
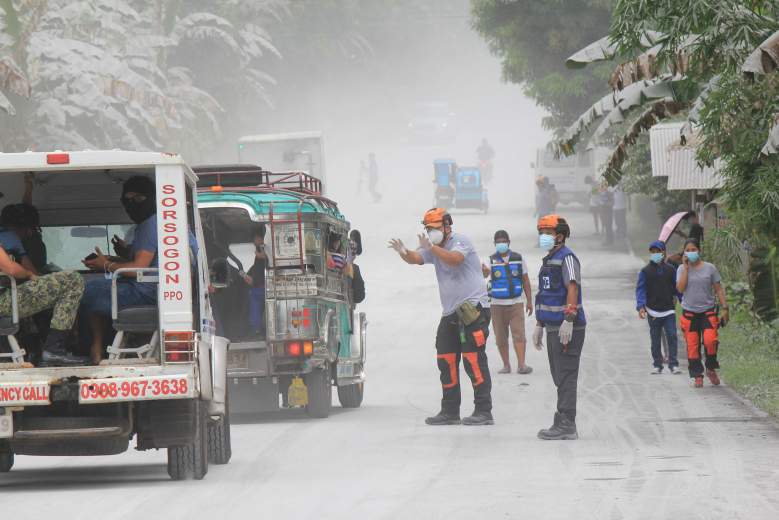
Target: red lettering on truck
170	240
24	393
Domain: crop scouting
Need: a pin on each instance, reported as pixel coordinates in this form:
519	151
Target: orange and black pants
701	328
450	347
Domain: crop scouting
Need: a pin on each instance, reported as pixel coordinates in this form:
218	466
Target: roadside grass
749	355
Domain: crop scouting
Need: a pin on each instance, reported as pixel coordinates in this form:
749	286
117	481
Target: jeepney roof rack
248	177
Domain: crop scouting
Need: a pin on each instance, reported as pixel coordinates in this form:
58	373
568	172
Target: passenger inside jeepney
255	279
336	259
232	242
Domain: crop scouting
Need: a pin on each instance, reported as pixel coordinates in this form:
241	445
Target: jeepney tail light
294	349
57	158
300	348
179	346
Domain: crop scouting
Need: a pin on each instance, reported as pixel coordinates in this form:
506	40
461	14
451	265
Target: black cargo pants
564	365
450	348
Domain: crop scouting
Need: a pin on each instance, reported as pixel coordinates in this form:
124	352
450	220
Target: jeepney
313	338
163	379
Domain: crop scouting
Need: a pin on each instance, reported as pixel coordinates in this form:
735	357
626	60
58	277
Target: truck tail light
58	158
179	346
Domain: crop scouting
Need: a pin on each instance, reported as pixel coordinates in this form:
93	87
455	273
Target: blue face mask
546	242
692	256
502	248
656	257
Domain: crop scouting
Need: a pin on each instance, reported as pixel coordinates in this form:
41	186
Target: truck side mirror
356	238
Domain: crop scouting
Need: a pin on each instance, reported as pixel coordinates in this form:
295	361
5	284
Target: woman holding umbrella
699	283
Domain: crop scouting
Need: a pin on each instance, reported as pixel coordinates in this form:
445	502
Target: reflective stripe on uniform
551	308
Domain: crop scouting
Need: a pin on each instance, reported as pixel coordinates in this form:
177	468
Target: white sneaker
656	371
675	370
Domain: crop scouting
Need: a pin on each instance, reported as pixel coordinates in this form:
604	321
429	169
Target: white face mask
436	236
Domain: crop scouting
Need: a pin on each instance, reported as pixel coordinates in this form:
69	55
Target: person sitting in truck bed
24	221
138	199
60	292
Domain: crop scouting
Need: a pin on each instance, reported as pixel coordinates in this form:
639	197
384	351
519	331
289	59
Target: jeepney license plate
345	370
24	394
237	359
147	388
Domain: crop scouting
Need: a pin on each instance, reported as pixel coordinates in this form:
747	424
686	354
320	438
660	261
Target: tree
130	74
533	38
699	48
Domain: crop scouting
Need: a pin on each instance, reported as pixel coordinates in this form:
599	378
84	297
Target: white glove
397	245
424	242
566	332
538	337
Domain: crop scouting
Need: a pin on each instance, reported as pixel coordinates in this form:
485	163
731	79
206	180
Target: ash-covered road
651	447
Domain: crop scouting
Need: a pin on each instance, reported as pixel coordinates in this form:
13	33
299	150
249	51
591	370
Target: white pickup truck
163	376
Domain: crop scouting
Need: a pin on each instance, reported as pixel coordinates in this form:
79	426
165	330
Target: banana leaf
764	59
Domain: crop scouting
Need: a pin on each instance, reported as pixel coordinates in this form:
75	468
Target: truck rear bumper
96	384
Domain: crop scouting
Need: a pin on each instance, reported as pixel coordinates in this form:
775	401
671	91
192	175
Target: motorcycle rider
464	326
559	310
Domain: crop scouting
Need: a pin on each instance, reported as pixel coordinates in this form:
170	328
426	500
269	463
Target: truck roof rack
251	177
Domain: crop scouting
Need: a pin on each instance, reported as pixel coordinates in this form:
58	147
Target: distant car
432	122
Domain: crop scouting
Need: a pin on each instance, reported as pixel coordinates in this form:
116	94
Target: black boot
442	419
55	352
563	429
479	419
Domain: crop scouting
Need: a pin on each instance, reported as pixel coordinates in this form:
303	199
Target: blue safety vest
552	292
506	278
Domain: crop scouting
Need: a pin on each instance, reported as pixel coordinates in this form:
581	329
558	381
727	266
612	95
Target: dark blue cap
657	244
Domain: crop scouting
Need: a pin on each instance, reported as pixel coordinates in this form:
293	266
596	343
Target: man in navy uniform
559	310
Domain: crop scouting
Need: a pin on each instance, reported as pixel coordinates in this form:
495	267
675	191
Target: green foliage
725	246
735	121
764	278
713	34
533	38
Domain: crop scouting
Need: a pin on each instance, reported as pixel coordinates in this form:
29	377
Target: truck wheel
191	461
219	444
6	458
350	396
320	392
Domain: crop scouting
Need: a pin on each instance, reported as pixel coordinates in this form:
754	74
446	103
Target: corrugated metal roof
662	137
685	174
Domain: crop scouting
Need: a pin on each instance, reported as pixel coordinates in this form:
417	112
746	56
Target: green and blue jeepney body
311	331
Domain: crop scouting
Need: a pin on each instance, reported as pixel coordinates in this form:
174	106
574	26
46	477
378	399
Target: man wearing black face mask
138	199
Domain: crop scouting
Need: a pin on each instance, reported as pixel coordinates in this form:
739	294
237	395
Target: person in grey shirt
699	283
464	326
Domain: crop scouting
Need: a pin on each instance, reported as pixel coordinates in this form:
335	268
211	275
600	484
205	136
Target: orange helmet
556	222
436	218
